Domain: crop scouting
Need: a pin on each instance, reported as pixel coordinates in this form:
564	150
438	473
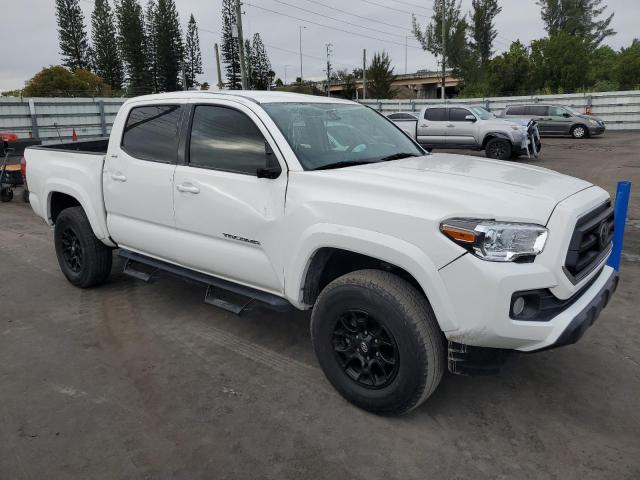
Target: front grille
590	242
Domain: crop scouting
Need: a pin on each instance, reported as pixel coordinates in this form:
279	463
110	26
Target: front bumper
596	130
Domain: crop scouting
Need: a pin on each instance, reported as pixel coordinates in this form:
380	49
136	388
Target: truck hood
469	186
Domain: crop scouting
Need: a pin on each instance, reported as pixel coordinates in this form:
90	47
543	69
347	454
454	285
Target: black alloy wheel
365	349
72	250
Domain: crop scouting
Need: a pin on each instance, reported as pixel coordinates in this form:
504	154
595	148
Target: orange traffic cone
74	136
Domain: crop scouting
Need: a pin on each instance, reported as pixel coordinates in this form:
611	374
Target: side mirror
272	170
470	118
566	115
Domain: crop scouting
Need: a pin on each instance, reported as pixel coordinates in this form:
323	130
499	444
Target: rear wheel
6	195
83	259
377	341
498	148
579	131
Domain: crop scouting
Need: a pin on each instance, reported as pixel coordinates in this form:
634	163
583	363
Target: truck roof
257	96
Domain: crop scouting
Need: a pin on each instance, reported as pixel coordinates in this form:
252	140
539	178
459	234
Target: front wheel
377	341
579	131
83	259
498	149
6	195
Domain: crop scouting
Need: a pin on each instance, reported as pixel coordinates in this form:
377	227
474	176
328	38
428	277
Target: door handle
118	177
188	188
450	125
423	125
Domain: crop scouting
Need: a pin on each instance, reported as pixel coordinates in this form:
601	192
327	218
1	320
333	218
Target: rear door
227	219
540	113
432	127
138	178
460	131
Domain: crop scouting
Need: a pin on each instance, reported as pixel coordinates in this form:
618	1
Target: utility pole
328	45
243	65
444	47
300	27
405	54
364	73
220	84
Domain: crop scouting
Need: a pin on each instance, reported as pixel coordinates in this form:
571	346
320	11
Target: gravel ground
146	381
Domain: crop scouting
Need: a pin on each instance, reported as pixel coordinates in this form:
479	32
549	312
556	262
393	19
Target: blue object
619	219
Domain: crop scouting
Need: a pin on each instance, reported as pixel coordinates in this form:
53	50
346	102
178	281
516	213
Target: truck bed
98	146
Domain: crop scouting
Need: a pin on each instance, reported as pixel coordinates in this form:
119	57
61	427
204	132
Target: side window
556	111
458	114
436	114
226	139
151	133
516	111
537	110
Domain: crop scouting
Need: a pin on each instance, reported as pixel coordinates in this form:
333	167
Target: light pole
300	27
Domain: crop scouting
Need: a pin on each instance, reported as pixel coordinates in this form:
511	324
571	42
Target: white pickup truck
411	262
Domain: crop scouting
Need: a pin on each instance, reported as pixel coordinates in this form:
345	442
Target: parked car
557	120
411	263
457	126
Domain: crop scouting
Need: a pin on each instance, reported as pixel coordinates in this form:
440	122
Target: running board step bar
220	293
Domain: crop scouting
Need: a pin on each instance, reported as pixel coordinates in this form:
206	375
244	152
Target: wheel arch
491	135
330	256
579	124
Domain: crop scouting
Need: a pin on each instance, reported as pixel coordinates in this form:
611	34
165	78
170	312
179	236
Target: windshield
332	135
482	113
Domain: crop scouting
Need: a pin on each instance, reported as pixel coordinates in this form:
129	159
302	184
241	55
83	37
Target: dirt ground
133	381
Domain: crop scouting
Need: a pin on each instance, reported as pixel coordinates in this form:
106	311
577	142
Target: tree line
571	58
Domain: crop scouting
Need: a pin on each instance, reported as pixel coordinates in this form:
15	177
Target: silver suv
557	120
458	126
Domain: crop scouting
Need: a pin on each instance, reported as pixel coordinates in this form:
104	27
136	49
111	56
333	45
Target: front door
138	179
227	218
540	114
561	121
460	131
432	127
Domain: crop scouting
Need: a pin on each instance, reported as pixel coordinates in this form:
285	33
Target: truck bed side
73	170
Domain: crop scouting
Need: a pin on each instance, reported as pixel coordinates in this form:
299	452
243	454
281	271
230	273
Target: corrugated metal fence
52	119
619	110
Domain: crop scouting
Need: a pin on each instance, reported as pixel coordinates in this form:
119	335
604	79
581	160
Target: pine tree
483	31
74	46
261	72
229	46
151	44
169	47
193	56
578	18
250	65
132	42
106	58
380	77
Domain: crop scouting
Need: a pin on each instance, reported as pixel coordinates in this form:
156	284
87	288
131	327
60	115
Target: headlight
496	241
593	122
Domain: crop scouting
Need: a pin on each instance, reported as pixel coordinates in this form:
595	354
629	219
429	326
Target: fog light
518	306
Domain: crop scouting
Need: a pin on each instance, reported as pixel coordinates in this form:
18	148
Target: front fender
383	247
489	135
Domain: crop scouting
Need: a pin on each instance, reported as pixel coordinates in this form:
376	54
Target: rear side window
458	114
519	110
226	139
151	133
436	114
401	116
537	110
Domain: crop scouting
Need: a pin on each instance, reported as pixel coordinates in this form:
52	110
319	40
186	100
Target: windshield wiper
342	164
398	156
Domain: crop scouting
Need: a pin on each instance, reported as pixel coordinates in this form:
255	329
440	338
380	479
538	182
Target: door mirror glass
470	118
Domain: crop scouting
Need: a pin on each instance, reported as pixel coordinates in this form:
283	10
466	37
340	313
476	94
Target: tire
405	321
83	259
499	149
6	195
25	196
579	131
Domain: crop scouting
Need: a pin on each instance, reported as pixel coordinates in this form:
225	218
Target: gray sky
29	35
